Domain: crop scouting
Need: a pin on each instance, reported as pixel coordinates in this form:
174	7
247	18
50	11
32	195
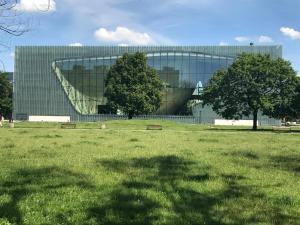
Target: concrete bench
154	127
68	125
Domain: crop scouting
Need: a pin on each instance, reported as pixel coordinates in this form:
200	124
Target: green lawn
184	174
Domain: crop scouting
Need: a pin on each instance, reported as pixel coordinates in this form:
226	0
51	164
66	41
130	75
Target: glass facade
63	80
83	78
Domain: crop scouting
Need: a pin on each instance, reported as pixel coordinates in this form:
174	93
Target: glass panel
83	79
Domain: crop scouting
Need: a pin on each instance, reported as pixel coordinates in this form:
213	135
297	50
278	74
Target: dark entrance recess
103	109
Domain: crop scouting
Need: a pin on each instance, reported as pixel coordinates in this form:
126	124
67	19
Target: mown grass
184	174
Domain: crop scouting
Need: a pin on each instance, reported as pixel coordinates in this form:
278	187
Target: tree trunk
254	120
130	115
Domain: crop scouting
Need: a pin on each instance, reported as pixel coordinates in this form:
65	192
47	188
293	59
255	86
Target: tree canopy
132	86
296	101
5	96
253	83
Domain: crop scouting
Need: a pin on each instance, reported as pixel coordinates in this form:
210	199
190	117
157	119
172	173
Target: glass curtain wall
82	79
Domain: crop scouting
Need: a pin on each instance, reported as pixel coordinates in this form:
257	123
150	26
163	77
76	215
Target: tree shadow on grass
288	163
245	154
25	182
162	191
157	190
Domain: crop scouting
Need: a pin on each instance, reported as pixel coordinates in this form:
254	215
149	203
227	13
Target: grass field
184	174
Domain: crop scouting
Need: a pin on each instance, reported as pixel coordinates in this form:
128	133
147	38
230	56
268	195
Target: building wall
43	83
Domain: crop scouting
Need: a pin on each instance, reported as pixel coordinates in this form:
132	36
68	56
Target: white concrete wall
49	119
234	122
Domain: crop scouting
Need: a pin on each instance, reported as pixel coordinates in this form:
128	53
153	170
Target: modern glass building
69	81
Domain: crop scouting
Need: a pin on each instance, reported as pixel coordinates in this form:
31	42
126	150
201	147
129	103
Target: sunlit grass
184	174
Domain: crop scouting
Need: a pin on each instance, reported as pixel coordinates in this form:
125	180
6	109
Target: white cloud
265	39
76	44
262	39
123	35
12	54
222	43
242	39
290	32
115	13
36	5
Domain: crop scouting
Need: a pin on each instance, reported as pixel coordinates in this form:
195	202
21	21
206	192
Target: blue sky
159	22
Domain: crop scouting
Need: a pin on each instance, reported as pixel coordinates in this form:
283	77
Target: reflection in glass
83	78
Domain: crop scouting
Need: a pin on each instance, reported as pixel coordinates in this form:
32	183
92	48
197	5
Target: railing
176	118
103	117
181	119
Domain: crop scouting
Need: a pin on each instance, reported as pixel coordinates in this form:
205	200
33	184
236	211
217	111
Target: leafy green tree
5	96
132	86
289	111
296	102
253	83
